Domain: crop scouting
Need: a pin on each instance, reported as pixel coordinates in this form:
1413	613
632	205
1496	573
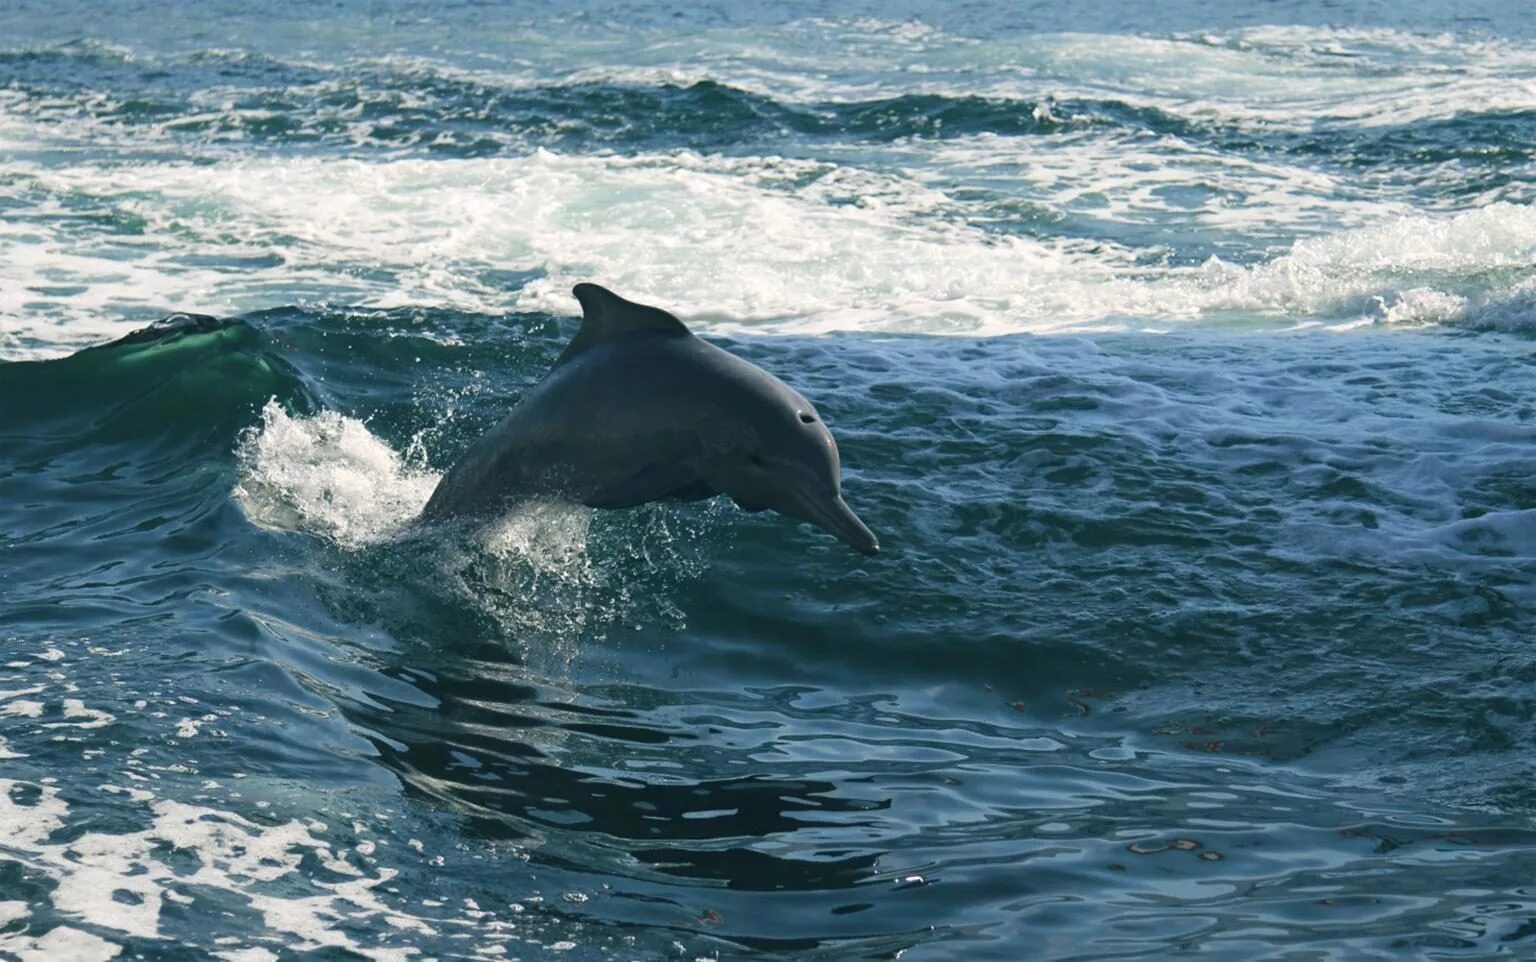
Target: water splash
327	475
535	578
548	575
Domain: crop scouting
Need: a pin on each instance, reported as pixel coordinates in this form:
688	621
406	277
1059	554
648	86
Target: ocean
1181	356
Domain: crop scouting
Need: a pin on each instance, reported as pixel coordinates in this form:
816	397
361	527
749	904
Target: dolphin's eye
756	460
807	418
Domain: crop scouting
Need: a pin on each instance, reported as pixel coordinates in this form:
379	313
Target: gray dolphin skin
638	409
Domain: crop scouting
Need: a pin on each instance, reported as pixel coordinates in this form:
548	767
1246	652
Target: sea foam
760	245
328	475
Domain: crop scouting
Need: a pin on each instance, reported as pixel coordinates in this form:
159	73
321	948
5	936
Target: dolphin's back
598	421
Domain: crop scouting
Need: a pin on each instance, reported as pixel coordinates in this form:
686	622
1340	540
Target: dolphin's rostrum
637	409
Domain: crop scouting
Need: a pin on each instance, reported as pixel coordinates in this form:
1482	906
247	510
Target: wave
762	244
186	382
438	114
1292	77
199	432
931	182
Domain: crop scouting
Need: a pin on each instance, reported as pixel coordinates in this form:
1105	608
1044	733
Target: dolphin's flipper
605	316
676	481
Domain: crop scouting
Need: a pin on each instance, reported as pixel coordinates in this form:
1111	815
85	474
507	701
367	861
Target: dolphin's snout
834	516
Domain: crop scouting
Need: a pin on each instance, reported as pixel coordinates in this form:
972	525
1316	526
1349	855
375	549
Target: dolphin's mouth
835	517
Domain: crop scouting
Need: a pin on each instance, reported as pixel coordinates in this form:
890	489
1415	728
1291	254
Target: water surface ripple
1183	367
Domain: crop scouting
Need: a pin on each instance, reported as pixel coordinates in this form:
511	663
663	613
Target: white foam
1133	178
773	244
93	717
1421	305
234	855
24	827
1512	309
247	955
58	944
736	241
1288	76
1386	263
1291	78
1392	77
328	475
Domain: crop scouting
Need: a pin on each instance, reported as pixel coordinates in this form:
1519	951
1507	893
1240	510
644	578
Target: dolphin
638	409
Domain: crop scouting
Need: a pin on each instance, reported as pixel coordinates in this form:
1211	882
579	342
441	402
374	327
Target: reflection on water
528	762
878	830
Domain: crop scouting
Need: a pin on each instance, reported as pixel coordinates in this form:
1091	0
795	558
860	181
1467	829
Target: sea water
1180	356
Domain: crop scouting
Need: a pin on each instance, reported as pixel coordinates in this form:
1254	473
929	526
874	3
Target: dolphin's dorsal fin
605	316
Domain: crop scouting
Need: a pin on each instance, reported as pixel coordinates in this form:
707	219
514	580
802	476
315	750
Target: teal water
1180	359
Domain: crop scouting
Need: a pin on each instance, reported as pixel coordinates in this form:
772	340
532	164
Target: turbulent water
1182	359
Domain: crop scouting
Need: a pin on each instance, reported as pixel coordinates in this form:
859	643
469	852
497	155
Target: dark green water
1183	369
